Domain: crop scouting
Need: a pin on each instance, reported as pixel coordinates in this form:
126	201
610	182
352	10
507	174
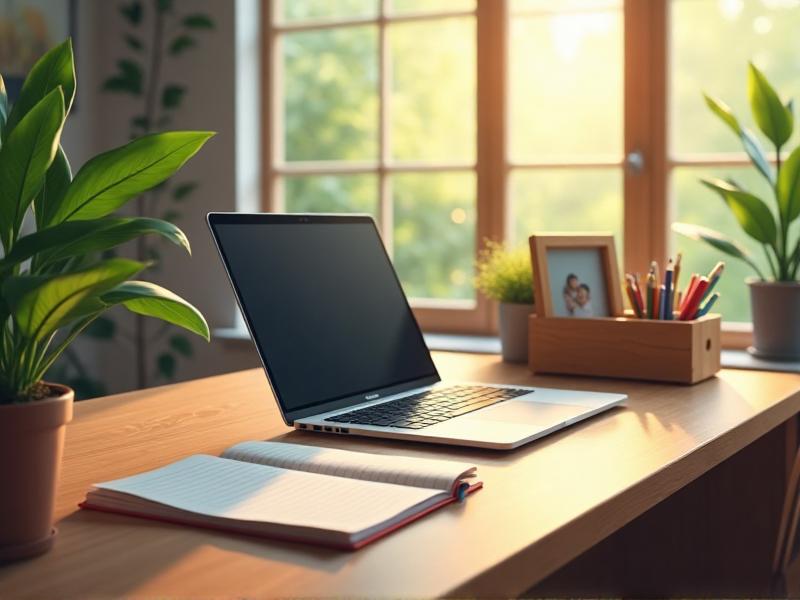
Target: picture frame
576	275
28	29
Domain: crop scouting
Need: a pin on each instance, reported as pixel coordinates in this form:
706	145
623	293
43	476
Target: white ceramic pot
776	319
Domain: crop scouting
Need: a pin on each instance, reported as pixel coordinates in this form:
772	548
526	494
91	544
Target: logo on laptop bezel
371	396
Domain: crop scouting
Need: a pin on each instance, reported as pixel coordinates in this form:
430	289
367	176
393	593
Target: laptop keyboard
428	408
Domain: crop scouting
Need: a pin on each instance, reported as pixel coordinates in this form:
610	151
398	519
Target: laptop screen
324	305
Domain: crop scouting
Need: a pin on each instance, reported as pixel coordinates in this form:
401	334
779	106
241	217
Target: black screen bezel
217	218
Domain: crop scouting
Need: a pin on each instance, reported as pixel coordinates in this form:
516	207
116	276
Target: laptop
343	352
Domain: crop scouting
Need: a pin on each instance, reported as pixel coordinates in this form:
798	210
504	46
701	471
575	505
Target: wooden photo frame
575	297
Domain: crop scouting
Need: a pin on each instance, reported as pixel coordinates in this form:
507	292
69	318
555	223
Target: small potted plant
775	298
56	277
506	275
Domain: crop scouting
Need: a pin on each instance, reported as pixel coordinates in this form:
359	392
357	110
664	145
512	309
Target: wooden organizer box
630	348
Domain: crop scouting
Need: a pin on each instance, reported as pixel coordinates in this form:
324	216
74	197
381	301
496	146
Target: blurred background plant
505	274
157	32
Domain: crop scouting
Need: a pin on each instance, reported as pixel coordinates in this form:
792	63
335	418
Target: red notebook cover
376	536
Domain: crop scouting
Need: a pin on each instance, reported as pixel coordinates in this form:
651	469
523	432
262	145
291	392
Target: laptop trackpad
521	411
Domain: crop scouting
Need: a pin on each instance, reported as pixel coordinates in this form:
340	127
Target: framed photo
575	276
28	29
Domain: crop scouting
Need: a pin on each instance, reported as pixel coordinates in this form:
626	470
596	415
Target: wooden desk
542	506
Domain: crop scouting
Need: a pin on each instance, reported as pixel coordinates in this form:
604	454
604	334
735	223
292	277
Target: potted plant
57	276
506	275
775	299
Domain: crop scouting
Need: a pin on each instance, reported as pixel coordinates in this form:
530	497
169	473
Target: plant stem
151	98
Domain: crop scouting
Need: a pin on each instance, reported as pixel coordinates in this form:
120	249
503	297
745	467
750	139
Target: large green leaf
789	187
77	238
773	118
716	240
25	157
56	182
41	305
3	109
756	153
110	179
723	111
750	211
149	299
55	68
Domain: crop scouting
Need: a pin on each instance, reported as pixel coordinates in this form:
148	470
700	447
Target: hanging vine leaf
164	5
102	328
166	365
132	12
181	44
128	79
141	122
198	21
134	43
182	191
172	96
181	345
170	215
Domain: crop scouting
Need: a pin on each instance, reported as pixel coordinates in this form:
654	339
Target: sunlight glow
570	30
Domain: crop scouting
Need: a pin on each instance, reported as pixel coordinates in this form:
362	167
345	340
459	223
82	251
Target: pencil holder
672	351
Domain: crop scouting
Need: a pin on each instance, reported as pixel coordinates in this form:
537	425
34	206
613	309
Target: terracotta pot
514	331
776	319
31	443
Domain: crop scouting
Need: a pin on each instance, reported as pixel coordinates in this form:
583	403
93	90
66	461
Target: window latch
634	162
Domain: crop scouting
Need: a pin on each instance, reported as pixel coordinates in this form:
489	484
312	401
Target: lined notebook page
401	470
229	489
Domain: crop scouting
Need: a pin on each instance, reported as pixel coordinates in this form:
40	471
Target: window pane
433	90
696	204
426	6
330	94
733	33
565	200
332	193
434	234
526	6
291	11
566	84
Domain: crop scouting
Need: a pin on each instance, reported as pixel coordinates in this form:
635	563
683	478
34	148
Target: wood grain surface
542	505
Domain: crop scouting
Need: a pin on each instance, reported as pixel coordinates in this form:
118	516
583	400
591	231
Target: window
764	32
452	121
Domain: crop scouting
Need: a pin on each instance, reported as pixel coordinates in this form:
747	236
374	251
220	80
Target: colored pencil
713	277
669	276
689	290
662	302
675	281
692	303
651	295
707	306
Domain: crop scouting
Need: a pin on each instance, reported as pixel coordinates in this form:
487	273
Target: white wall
101	122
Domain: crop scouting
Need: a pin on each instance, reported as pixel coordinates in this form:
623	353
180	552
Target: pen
662	302
669	276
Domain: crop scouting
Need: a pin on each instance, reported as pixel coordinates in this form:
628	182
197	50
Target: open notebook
290	491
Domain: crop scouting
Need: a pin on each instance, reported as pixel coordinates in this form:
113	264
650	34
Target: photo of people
578	285
577	297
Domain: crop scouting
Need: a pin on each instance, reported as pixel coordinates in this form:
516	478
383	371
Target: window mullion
385	209
646	196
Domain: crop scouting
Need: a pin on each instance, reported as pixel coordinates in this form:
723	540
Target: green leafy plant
54	228
770	227
167	35
505	274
